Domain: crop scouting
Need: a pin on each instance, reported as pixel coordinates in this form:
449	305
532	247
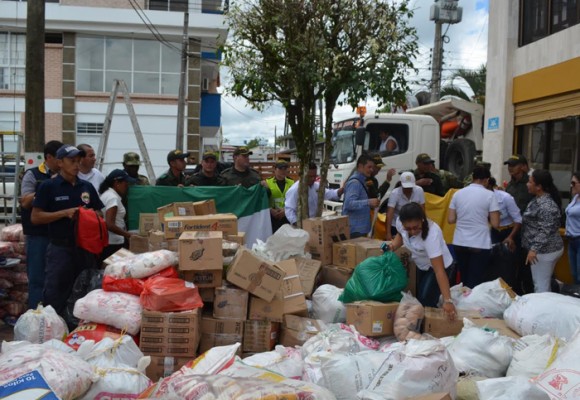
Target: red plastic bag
170	294
90	231
96	332
133	286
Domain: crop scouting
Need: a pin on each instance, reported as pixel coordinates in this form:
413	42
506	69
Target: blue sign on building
493	124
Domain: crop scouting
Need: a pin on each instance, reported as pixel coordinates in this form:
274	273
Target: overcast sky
466	48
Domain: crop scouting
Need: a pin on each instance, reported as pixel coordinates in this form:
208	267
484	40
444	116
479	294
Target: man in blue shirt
55	204
357	203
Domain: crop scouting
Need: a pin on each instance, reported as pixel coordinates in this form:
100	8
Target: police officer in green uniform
131	163
278	185
424	177
469	178
208	176
241	173
174	176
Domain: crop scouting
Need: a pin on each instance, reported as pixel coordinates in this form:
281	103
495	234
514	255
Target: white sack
489	298
285	243
142	265
532	354
326	305
117	383
509	388
110	353
40	325
285	361
338	338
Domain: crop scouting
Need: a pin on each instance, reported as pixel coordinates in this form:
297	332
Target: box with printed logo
260	336
230	303
204	207
175	226
333	275
200	250
170	333
308	270
206	278
148	222
372	318
350	253
323	232
220	332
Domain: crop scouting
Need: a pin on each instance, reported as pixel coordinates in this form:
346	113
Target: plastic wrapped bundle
40	325
142	265
12	233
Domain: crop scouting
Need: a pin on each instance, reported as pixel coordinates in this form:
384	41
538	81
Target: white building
91	42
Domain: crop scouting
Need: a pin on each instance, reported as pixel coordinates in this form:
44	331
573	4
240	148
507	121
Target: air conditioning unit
204	85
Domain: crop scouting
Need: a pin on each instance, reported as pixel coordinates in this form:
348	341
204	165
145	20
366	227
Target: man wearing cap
174	176
87	170
36	235
372	183
208	175
424	177
278	186
406	193
55	204
241	173
357	200
131	163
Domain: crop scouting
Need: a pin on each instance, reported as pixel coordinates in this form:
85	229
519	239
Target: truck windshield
343	147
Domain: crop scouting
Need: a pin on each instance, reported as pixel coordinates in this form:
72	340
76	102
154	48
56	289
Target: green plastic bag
379	278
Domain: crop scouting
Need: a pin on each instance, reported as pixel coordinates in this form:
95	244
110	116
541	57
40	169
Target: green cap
176	155
209	154
243	150
131	159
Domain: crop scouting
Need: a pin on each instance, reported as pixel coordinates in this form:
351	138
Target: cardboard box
138	244
200	251
148	222
436	323
333	275
308	270
350	253
324	231
175	226
220	332
207	278
404	255
432	396
118	255
230	303
173	245
162	367
170	333
177	209
372	318
240	238
495	325
297	330
260	336
207	294
257	276
157	240
204	207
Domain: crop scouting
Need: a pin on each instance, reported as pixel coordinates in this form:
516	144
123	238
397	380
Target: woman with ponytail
540	229
435	267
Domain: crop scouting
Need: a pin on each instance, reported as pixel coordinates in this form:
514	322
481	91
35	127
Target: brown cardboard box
220	332
324	231
436	323
372	318
200	251
432	396
173	245
162	367
205	207
207	278
240	238
257	276
157	240
260	336
308	270
175	226
230	303
207	294
178	209
297	330
138	244
333	275
170	333
118	255
148	222
350	253
404	255
496	325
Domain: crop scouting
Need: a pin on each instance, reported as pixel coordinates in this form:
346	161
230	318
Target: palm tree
475	79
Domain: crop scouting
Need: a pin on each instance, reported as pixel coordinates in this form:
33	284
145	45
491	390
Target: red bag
133	286
90	231
96	332
170	294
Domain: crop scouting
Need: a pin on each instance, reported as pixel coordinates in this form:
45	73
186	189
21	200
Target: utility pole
182	84
442	12
34	90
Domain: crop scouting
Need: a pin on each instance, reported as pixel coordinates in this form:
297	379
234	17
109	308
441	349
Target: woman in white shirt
435	267
112	191
406	193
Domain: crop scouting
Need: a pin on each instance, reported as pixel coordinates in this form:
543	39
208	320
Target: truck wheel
460	157
443	145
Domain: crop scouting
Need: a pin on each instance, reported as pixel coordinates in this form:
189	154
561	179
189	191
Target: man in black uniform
174	176
55	204
424	177
208	176
241	173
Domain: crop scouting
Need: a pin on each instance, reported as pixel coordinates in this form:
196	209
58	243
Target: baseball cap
407	180
424	158
120	175
176	155
131	159
209	154
378	160
516	159
281	164
69	151
242	150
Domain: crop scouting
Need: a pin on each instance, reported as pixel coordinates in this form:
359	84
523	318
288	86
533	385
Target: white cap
407	180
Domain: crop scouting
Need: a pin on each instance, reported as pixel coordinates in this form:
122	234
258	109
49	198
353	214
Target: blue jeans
473	264
574	256
35	262
428	291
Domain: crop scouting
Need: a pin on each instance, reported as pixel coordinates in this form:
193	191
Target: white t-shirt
94	176
423	250
112	199
398	199
472	205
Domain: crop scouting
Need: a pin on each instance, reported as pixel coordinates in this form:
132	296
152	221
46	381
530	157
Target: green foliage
255	142
476	81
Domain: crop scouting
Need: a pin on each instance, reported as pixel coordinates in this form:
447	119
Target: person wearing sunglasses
573	227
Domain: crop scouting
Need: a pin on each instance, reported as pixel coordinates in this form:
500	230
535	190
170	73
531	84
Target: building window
90	128
12	61
541	18
146	66
168	5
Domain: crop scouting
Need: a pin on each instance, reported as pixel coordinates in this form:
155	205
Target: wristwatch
449	301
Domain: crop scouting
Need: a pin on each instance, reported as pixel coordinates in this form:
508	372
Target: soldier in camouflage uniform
208	176
428	180
469	179
174	176
131	163
241	173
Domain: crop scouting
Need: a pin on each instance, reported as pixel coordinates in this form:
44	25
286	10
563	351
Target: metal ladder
9	177
121	85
